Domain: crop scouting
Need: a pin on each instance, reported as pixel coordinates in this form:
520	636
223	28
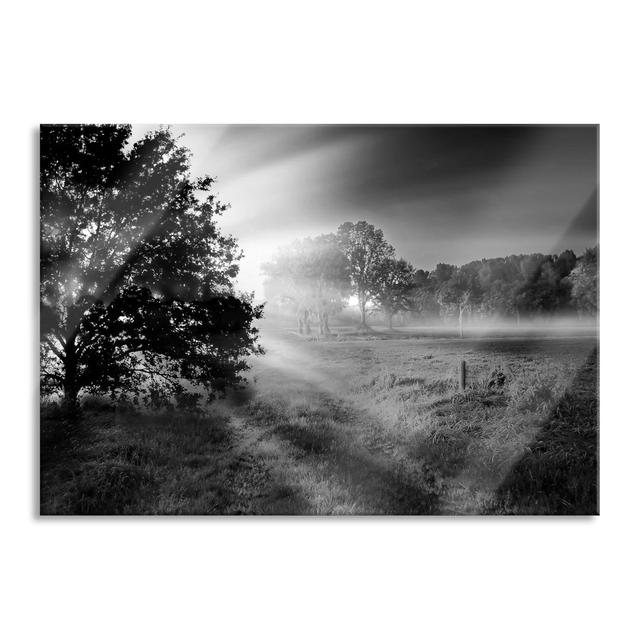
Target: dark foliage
395	290
518	285
136	279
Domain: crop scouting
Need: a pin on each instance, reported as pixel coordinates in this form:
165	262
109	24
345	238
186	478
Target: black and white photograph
319	320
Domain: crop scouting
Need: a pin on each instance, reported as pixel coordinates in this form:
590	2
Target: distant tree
420	277
545	289
584	283
499	280
535	284
442	274
427	284
499	300
395	291
312	275
136	279
420	293
367	253
460	292
424	302
564	264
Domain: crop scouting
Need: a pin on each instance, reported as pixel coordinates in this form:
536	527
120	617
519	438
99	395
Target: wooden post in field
463	374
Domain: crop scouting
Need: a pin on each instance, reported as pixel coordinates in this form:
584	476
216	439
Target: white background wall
441	62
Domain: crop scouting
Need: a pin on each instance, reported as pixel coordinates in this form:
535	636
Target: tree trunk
390	320
325	323
460	329
70	385
517	317
363	317
70	399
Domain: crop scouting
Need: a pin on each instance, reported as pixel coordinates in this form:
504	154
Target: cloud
452	193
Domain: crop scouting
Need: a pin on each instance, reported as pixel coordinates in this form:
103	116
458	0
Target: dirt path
299	423
323	448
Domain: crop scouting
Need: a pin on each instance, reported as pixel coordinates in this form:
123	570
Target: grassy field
359	424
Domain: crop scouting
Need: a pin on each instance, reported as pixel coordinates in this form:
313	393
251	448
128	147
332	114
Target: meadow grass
348	426
522	438
119	461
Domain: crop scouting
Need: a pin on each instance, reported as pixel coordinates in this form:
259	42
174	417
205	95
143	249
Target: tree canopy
395	289
136	279
367	254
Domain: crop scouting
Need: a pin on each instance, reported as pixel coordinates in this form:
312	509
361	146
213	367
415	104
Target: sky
440	193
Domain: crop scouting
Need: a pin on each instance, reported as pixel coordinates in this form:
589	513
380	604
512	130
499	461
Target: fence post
463	374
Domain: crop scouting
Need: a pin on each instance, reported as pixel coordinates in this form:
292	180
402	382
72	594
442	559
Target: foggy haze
441	194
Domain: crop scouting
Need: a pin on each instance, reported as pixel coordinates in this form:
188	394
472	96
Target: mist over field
346	320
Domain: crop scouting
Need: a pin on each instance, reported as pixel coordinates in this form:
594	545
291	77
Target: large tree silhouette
136	278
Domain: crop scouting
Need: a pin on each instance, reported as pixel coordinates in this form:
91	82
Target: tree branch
55	349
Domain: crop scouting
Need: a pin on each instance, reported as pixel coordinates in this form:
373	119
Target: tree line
316	277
